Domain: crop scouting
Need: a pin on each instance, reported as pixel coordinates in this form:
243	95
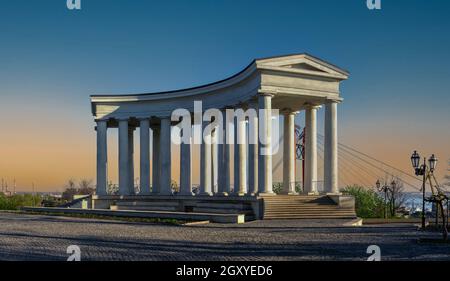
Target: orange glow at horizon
48	151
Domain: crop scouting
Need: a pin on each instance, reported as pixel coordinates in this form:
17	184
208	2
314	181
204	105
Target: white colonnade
298	83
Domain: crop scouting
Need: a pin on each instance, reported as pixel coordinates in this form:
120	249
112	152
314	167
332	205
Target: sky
52	59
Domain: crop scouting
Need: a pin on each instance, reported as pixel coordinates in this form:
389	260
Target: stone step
222	211
329	208
302	204
303	207
309	217
147	203
301	213
295	199
301	201
308	214
147	208
223	205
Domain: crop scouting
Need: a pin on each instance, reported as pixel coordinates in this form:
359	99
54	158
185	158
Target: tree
397	196
86	187
70	184
368	203
70	190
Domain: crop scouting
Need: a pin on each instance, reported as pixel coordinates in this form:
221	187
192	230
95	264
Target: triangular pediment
304	66
303	63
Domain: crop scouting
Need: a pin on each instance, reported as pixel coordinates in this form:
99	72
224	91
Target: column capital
123	118
336	100
265	94
311	106
288	111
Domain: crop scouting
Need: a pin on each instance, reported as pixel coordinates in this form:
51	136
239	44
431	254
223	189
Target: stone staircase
304	207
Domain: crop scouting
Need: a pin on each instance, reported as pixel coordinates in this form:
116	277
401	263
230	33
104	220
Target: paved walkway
37	237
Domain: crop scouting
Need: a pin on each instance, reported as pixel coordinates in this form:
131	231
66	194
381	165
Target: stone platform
251	207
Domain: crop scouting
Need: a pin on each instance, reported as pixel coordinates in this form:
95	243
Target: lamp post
422	170
385	188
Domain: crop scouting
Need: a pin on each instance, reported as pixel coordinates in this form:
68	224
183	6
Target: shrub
15	202
277	187
368	203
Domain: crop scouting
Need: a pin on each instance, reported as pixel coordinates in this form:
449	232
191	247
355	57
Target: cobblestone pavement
38	237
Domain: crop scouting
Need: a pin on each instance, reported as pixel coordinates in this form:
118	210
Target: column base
237	194
311	193
333	193
223	194
205	194
289	193
267	194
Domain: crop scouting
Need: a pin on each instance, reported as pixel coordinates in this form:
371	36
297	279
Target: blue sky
52	59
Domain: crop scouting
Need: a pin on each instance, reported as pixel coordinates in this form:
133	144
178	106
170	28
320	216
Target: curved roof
254	64
293	79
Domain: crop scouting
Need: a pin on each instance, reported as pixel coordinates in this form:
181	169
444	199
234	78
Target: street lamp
421	171
415	159
385	188
432	162
437	195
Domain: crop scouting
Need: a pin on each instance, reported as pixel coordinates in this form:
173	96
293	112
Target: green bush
368	203
17	201
277	187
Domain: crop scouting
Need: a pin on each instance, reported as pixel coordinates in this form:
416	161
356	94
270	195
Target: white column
205	163
185	169
311	149
156	164
236	158
253	153
214	161
124	188
242	157
265	144
224	159
131	159
165	156
102	157
144	177
289	153
331	148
